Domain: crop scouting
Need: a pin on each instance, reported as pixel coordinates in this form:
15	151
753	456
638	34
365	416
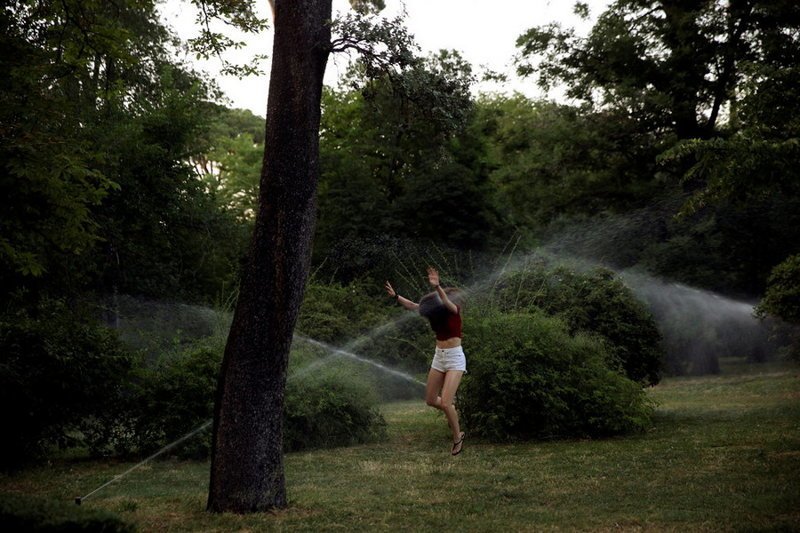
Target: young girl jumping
449	362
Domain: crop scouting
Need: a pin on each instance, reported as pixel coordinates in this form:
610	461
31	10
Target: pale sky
484	33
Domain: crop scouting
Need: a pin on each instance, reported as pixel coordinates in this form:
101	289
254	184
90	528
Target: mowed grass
724	454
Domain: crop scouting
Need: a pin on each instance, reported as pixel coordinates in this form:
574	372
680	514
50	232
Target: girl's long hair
432	308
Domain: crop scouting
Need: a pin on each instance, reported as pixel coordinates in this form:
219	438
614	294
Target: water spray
332	349
345	353
638	281
163	450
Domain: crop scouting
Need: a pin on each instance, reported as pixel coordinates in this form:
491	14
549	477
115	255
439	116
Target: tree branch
728	66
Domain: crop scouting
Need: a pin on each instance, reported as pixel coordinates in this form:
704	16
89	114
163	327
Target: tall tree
247	461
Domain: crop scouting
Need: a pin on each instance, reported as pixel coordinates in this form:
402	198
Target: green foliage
58	369
721	79
746	179
335	313
397	159
552	160
231	166
728	168
97	122
163	234
384	46
728	246
406	343
162	402
27	513
328	411
782	298
672	65
175	396
530	378
237	14
49	179
594	302
345	315
742	216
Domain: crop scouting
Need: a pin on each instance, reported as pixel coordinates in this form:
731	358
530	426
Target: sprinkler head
78	500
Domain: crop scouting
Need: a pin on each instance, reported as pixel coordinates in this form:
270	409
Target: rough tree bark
247	459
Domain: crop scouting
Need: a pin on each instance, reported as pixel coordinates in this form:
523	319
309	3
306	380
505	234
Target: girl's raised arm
405	302
433	278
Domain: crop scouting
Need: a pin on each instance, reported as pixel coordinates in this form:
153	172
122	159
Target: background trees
673	65
98	124
123	174
398	159
692	79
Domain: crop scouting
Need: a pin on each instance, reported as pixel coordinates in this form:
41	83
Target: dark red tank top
449	327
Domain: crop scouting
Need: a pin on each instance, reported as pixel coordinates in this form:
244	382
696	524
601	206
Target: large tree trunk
247	459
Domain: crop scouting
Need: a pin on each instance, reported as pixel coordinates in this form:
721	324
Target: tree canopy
675	65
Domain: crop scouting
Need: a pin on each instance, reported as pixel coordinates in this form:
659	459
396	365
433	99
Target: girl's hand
390	290
433	276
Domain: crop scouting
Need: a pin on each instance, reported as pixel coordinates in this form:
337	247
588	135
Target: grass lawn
724	454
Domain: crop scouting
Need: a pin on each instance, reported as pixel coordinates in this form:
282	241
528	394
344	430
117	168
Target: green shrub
166	401
356	319
58	368
407	343
329	410
154	327
595	302
25	513
177	396
528	377
782	300
307	358
336	313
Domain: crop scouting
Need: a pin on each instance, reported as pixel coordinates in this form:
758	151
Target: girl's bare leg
451	381
434	385
448	384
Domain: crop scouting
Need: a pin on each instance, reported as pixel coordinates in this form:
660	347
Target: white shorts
445	359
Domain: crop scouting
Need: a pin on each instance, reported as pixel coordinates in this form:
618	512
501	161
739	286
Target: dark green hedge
58	368
529	377
595	301
177	396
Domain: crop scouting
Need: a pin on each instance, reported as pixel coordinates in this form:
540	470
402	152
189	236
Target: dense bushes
529	378
332	312
58	368
67	381
359	318
782	300
81	388
553	352
176	396
595	302
330	410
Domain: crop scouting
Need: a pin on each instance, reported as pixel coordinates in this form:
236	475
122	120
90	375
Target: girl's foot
458	445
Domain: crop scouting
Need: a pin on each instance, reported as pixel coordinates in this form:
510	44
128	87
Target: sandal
459	445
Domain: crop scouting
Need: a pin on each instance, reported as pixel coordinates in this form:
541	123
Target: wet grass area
723	454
